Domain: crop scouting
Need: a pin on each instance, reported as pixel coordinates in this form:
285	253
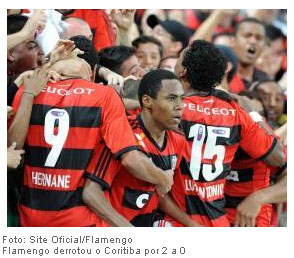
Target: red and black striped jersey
71	121
247	176
136	199
214	130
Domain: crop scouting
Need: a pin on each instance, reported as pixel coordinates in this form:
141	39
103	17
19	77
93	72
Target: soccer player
73	124
214	126
161	98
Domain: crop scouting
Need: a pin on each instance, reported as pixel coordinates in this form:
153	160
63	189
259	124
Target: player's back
63	133
214	128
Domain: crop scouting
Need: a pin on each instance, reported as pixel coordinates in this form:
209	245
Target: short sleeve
254	139
115	129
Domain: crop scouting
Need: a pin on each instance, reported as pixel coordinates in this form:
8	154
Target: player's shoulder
134	122
176	135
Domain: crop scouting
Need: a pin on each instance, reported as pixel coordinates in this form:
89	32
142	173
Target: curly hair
205	65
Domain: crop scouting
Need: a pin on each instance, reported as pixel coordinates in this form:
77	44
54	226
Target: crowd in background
121	46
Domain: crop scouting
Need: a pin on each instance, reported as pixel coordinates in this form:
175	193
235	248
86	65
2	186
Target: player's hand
36	22
166	185
19	80
10	112
247	212
64	49
36	82
111	77
54	76
13	156
244	102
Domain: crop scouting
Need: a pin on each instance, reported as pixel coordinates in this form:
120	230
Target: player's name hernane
211	111
90	240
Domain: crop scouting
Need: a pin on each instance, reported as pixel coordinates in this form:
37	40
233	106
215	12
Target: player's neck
152	127
246	71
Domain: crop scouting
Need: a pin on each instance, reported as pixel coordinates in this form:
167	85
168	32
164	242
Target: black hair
15	23
151	83
148	39
273	33
255	85
205	65
249	94
247	20
113	57
84	44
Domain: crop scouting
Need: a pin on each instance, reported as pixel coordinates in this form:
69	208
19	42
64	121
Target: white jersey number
198	132
57	141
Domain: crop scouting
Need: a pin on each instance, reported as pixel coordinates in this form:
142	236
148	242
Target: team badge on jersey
174	160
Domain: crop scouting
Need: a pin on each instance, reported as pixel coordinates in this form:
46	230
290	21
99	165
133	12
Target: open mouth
177	119
251	51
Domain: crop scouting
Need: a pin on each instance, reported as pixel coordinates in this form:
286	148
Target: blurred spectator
121	60
223	39
232	64
149	51
168	63
248	43
271	59
75	27
272	98
173	35
25	56
144	27
126	29
218	17
103	34
35	24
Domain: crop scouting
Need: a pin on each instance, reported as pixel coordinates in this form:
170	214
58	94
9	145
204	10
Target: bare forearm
169	207
15	39
206	29
20	125
282	131
96	201
276	193
140	167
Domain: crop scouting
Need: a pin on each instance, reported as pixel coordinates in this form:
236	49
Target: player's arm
169	207
249	208
275	155
142	168
94	198
33	85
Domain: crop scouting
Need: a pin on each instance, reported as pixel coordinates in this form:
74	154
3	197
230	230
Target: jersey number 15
198	132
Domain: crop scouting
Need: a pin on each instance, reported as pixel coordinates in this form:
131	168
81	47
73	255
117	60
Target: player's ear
229	67
10	56
147	101
183	72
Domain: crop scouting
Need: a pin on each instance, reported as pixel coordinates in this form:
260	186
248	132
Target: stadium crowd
147	118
